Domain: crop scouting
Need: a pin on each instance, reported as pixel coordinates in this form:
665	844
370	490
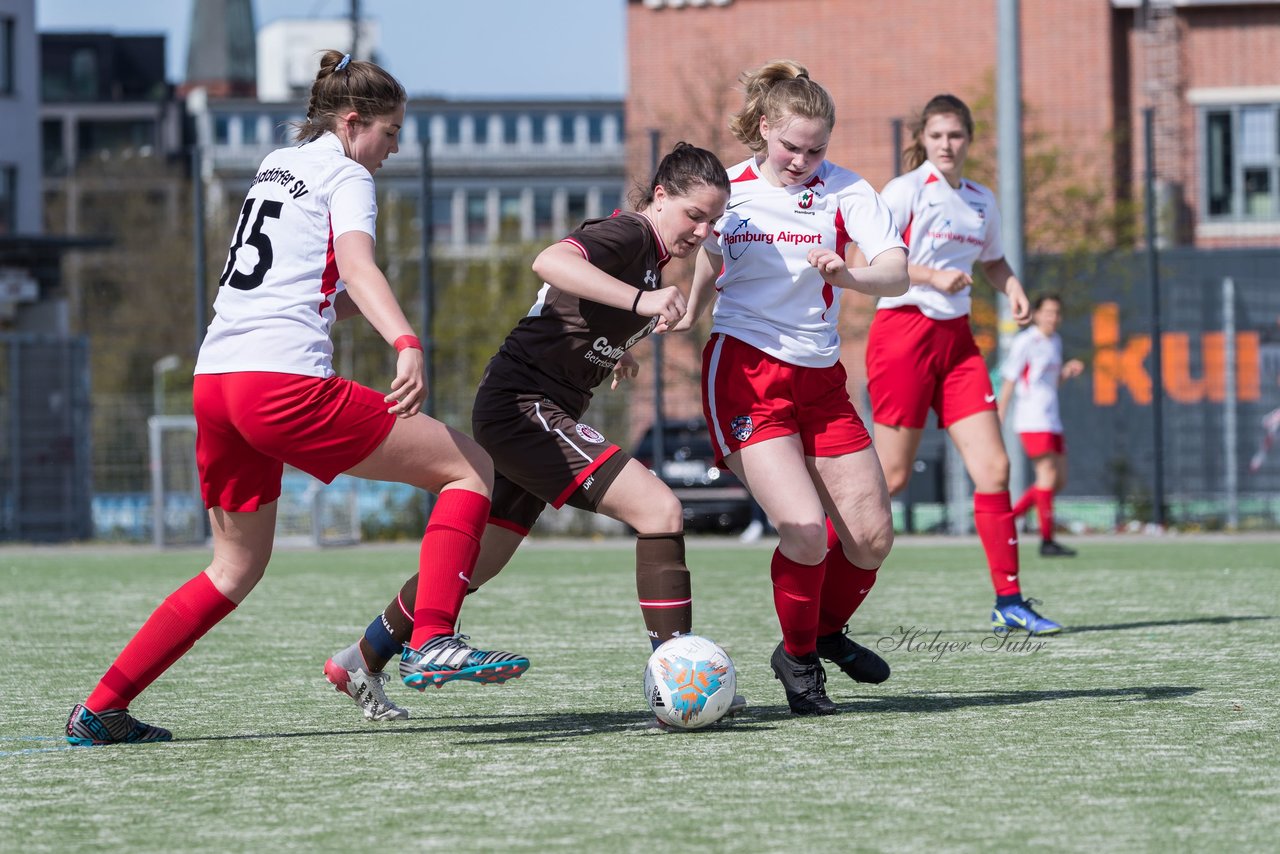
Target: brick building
1208	68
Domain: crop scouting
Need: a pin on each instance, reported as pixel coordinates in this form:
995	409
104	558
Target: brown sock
662	583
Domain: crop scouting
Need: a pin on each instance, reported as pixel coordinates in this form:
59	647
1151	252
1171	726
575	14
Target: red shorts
1041	444
915	364
249	425
749	396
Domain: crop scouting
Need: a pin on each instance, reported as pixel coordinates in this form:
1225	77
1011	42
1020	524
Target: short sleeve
610	244
898	196
993	246
353	206
1011	370
868	221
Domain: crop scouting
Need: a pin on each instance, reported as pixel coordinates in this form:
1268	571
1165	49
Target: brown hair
1048	296
359	85
939	105
684	168
776	90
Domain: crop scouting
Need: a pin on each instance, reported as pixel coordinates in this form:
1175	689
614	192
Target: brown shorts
541	455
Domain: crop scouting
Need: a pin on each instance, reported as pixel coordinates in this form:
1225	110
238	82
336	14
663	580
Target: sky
454	48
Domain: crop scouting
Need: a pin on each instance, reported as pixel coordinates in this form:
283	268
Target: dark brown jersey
566	346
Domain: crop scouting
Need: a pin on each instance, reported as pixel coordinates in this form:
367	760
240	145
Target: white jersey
275	308
1034	366
946	229
769	295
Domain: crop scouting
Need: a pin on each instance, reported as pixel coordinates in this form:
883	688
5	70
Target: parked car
713	499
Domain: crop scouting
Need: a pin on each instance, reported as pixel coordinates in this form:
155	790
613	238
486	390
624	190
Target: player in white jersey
921	354
774	391
1032	372
265	395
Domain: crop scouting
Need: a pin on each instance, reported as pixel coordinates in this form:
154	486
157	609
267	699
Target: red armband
407	342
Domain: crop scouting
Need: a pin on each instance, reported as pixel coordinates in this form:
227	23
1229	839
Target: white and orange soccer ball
689	682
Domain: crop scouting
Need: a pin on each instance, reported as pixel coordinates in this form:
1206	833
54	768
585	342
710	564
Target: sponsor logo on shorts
589	434
741	428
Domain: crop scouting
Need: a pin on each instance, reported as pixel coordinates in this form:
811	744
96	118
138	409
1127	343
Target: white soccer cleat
366	690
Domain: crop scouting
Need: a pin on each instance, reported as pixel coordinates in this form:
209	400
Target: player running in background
266	395
1270	427
603	293
921	353
1032	372
774	391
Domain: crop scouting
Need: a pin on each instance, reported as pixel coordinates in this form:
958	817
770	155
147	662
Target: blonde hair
776	90
939	105
357	85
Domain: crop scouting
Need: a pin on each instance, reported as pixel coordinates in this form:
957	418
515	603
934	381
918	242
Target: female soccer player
774	391
265	395
921	353
603	293
1032	373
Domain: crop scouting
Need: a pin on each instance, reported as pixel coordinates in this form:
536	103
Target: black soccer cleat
859	663
114	726
1053	548
804	680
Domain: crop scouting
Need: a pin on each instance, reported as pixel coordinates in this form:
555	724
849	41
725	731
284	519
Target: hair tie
346	60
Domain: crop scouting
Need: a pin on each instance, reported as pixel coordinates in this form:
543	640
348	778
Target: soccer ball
689	682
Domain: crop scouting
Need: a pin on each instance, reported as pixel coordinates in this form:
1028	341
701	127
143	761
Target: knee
877	546
804	542
236	579
992	474
664	514
897	477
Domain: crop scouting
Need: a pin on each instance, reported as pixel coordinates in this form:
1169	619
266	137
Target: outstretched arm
885	276
702	293
562	265
1004	281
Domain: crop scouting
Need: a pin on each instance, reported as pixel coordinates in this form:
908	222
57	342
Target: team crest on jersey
806	199
741	427
589	434
650	279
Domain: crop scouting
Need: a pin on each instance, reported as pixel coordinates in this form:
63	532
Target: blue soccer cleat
449	657
1021	615
114	726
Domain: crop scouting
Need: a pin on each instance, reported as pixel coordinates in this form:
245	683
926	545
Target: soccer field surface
1151	723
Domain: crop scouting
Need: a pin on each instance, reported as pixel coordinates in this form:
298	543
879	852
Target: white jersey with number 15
274	307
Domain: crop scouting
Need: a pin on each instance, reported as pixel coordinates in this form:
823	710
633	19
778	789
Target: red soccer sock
993	517
171	630
844	586
796	591
448	556
1024	503
1044	507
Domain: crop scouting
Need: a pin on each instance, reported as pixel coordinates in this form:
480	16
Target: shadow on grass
539	728
931	702
1151	624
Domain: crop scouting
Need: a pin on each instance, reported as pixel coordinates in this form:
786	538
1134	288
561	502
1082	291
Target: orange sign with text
1118	365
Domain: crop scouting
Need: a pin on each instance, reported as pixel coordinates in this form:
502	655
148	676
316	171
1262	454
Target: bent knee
804	542
662	515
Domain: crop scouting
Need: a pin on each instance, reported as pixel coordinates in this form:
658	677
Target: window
221	130
452	129
424	127
441	218
8	198
510	128
480	130
537	130
567	133
595	128
544	208
6	56
52	157
509	216
248	130
575	209
1242	162
477	217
